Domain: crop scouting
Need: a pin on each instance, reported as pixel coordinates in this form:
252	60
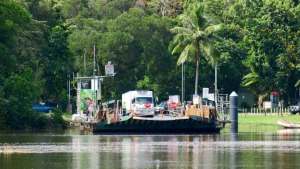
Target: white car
295	108
161	108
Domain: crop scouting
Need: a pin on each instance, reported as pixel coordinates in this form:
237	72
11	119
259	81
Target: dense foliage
43	43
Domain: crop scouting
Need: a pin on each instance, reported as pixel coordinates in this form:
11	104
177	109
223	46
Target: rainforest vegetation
44	43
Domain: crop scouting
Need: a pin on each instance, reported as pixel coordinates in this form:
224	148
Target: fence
265	111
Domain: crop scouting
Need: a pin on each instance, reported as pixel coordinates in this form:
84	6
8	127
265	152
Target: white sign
94	84
109	70
205	92
267	105
195	99
174	98
211	96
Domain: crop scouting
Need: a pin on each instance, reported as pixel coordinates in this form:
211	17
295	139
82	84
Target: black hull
180	126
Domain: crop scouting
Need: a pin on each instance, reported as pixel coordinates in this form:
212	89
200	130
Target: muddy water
76	149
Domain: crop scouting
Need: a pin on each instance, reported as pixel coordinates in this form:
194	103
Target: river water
78	149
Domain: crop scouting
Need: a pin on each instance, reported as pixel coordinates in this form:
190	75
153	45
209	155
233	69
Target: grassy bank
261	122
67	117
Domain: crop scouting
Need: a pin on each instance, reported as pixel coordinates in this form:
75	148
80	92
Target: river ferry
140	114
194	120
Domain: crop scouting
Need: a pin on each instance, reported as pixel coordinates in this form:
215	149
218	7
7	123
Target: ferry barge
194	120
157	124
138	115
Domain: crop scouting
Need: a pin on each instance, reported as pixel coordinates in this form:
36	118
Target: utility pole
94	81
182	81
69	88
84	64
216	85
182	84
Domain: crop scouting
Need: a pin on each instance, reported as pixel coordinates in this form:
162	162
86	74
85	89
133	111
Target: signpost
195	99
109	70
205	92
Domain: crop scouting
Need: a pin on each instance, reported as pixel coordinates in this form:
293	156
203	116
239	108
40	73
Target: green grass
265	119
261	122
67	116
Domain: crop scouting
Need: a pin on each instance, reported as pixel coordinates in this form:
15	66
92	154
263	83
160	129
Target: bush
58	119
40	121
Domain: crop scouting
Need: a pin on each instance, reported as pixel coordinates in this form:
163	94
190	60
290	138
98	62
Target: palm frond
250	79
187	21
184	54
182	39
181	30
211	53
178	38
297	83
213	28
177	49
198	16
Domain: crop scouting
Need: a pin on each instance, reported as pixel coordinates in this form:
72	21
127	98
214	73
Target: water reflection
225	150
288	134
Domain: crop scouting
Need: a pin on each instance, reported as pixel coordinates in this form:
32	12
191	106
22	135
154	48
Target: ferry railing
223	110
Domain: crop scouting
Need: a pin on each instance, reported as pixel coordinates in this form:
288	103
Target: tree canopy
44	43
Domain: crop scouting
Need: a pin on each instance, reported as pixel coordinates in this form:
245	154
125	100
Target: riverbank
259	122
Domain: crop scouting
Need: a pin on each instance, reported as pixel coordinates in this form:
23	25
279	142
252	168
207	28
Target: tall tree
195	33
72	8
166	8
20	91
104	9
137	44
12	17
233	51
81	40
273	47
59	65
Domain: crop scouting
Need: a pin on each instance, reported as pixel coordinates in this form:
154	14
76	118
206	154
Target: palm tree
194	35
